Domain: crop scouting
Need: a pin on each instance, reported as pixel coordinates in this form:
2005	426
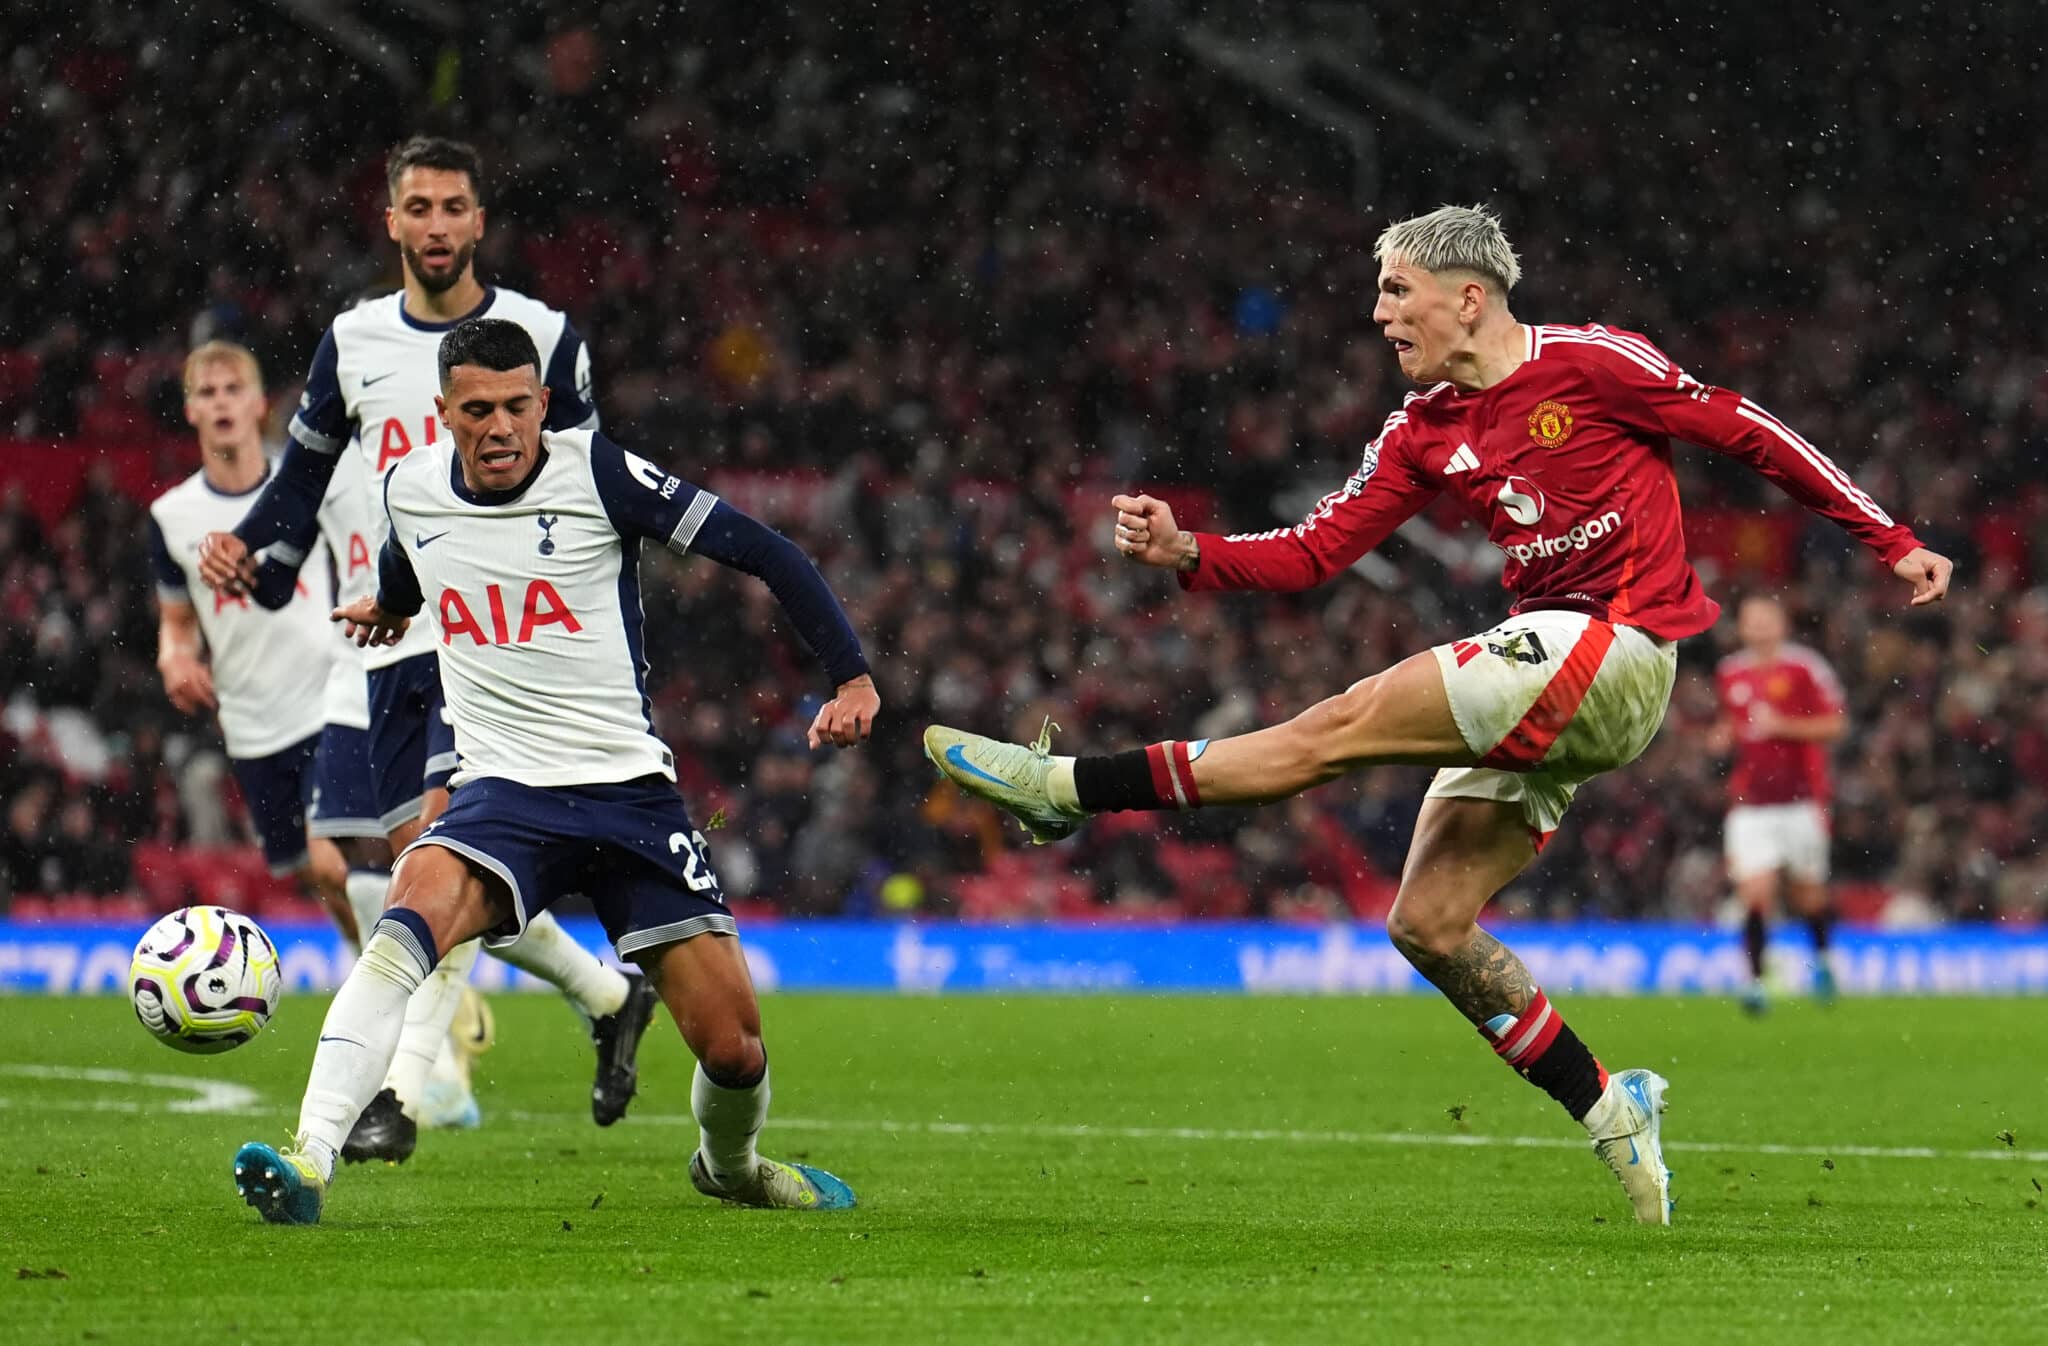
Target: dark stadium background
924	284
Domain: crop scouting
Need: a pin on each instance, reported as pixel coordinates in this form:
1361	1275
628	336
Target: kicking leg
438	902
704	982
1400	716
1464	851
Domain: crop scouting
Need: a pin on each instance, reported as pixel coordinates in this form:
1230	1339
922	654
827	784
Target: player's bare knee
1424	932
733	1058
1325	740
439	887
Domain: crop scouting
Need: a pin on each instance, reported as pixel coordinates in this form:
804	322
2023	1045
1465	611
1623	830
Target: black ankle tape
1118	781
1568	1073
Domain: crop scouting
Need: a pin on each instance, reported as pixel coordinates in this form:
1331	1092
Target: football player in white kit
371	392
256	663
524	545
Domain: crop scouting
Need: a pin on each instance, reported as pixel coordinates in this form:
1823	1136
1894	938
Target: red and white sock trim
1173	774
1533	1032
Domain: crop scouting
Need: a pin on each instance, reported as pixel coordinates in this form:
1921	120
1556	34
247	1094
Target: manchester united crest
1550	424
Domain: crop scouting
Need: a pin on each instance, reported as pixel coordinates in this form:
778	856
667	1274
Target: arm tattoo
1482	977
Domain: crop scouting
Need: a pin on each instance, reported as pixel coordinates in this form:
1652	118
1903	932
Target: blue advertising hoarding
1246	957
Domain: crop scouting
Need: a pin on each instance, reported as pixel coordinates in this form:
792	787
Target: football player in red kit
1781	709
1558	441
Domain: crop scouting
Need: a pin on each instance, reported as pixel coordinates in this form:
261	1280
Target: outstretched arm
644	500
1347	523
1727	422
733	538
736	539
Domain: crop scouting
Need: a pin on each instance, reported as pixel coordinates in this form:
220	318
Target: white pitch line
1447	1140
219	1098
206	1095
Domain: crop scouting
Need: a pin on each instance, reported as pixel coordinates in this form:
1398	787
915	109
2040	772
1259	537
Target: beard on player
438	267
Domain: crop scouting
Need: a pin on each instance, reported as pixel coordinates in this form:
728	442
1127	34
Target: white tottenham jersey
373	383
345	526
263	662
532	598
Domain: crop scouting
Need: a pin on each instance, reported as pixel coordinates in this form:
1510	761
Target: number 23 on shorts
697	871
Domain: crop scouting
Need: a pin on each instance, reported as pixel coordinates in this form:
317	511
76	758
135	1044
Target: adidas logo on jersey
1464	460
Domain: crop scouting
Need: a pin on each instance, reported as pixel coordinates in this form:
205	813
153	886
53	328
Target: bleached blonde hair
221	353
1453	238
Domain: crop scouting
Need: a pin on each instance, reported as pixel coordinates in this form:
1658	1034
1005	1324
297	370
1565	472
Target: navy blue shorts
277	789
412	745
344	803
629	847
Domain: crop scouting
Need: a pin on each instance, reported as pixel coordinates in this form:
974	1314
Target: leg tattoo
1492	988
1482	976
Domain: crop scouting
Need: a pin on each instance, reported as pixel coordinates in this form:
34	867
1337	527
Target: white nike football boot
1009	775
1626	1126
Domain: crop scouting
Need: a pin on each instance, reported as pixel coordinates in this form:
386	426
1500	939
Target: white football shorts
1765	838
1548	700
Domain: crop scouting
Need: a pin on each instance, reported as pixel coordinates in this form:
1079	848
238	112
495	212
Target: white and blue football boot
776	1186
1009	775
284	1187
1626	1126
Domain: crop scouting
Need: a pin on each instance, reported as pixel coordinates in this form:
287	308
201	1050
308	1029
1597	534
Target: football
204	979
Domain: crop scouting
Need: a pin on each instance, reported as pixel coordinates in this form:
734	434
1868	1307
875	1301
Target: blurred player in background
1781	709
219	652
525	545
1557	440
371	394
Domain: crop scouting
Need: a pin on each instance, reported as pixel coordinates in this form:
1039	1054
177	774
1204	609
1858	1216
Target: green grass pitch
1113	1170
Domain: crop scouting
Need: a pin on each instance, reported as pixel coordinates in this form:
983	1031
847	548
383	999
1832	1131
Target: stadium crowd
925	290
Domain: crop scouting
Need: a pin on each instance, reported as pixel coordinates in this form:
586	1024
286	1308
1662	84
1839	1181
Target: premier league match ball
204	979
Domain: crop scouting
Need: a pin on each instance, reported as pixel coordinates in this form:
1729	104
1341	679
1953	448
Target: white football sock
1610	1116
546	950
366	889
728	1120
425	1035
1059	786
357	1040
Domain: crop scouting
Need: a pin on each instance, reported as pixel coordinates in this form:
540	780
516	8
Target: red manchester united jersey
1797	684
1566	462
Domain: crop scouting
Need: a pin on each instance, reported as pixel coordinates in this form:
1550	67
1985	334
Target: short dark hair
494	343
454	156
